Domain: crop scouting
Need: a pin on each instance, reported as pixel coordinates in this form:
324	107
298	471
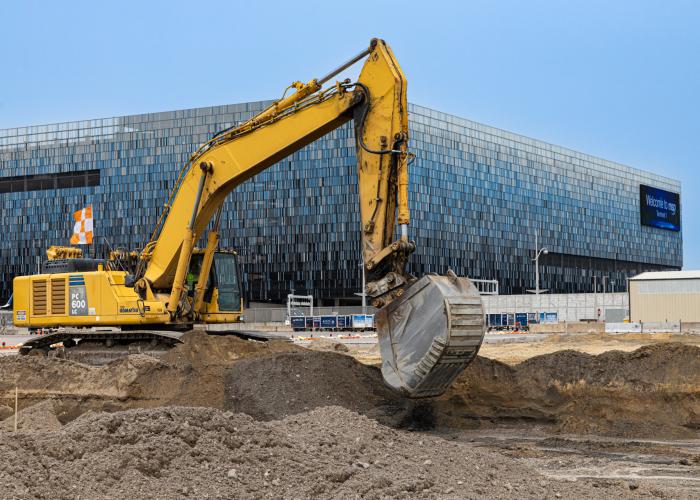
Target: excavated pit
651	392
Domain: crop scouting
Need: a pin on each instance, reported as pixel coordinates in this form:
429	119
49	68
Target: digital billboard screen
659	208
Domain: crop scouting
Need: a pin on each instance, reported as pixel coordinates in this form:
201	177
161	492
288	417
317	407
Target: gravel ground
329	452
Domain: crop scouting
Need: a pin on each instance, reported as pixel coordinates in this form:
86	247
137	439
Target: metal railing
486	287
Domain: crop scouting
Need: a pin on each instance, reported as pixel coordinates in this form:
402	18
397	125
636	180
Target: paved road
514	338
490	338
14	339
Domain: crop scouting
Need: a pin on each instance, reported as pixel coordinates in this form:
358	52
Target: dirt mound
646	368
284	384
191	374
199	349
132	376
135	381
40	417
201	452
202	360
651	392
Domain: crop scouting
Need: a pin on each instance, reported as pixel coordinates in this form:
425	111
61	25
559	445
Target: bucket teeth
429	335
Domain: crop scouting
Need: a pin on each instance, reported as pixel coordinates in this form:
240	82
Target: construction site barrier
641	327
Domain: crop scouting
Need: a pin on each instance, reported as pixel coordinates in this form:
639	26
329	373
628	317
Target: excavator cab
223	297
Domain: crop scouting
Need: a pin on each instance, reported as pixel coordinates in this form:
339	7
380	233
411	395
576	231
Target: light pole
595	298
538	252
605	290
363	294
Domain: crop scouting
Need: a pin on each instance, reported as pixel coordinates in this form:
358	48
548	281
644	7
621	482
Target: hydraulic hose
360	128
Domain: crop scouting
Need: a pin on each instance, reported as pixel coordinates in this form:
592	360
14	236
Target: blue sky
617	79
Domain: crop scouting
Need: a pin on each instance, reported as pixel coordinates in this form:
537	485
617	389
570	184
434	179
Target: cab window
226	272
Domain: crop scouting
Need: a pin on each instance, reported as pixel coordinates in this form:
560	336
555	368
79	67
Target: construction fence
575	307
609	307
279	314
572	307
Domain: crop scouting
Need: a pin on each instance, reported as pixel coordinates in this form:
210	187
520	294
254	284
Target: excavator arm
429	329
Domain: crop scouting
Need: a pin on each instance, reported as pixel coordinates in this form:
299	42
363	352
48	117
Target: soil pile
191	374
651	392
201	362
201	452
39	417
131	377
200	350
646	368
288	383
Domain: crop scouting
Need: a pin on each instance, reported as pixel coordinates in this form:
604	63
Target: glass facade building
478	195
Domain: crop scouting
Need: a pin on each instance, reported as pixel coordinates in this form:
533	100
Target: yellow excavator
429	329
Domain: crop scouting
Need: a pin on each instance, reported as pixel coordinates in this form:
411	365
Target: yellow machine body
101	298
93	298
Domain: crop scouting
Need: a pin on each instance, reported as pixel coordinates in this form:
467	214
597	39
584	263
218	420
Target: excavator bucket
430	334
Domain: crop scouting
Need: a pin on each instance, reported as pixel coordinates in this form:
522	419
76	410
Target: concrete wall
665	300
7	317
568	328
572	307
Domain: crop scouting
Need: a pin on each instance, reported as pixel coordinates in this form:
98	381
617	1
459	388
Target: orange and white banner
82	230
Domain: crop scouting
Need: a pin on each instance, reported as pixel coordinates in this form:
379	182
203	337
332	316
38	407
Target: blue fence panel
329	321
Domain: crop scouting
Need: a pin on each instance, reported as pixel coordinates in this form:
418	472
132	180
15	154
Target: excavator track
430	335
97	347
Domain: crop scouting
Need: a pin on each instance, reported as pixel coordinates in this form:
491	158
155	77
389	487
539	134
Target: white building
664	297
